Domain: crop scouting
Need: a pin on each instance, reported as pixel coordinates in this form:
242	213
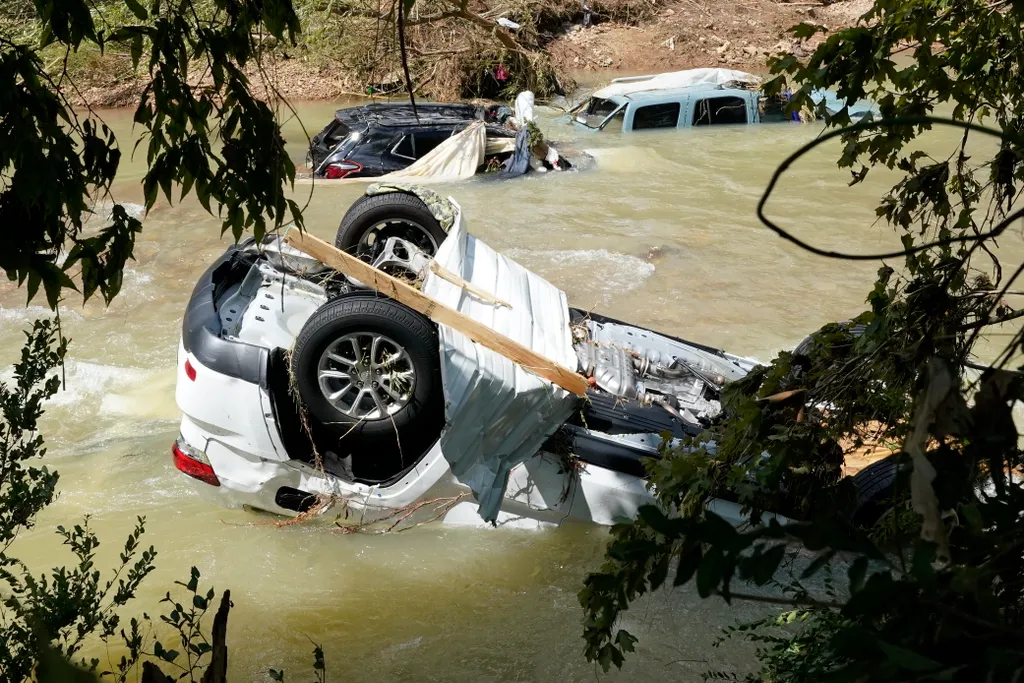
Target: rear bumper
201	325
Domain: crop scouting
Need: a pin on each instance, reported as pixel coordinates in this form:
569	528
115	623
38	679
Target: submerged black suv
375	139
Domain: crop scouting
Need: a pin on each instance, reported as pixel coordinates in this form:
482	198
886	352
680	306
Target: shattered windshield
597	112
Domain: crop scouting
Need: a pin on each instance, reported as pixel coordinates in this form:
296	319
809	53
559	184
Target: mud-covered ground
700	33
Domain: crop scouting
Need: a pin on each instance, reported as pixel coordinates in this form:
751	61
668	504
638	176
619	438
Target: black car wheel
374	218
874	488
368	369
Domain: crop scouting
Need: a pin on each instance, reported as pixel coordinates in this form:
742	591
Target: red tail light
190	371
191	463
342	169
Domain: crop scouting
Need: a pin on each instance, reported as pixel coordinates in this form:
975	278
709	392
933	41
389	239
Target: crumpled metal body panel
498	414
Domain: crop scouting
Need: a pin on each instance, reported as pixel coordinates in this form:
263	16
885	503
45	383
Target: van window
656	116
720	110
596	111
600	107
614	124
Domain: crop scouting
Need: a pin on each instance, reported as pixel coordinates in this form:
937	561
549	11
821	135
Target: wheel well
304	436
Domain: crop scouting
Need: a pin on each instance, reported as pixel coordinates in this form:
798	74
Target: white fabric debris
524	107
498	413
508	23
457	158
675	79
552	157
499	145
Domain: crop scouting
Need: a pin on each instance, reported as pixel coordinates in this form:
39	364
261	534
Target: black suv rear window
419	144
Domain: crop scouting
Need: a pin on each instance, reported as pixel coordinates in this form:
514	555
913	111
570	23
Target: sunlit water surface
660	231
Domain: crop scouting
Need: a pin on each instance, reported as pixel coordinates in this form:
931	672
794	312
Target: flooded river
659	231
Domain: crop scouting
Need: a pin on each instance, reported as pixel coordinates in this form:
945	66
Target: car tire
374	218
874	490
805	346
412	424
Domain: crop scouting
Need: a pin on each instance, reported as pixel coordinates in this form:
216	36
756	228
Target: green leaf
659	572
136	50
857	572
688	563
906	659
137	9
655	519
818	563
709	573
805	30
625	641
766	564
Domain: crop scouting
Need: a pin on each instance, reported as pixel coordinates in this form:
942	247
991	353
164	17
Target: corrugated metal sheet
498	414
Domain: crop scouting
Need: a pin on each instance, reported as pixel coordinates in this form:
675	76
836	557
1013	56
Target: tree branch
461	11
1012	315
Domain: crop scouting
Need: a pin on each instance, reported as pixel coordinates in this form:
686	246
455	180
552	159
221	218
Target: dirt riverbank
669	35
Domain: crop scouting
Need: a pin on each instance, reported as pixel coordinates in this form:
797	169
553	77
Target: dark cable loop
869	125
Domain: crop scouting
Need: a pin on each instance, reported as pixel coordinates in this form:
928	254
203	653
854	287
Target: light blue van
702	104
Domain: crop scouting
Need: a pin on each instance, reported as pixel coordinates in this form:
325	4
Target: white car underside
513	448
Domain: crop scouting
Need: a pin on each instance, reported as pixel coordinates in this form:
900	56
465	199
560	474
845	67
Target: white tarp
457	158
498	414
675	79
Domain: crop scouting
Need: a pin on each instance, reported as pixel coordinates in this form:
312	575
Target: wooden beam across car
438	312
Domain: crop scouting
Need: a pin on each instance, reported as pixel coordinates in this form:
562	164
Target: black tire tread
409	419
353	222
875	478
874	487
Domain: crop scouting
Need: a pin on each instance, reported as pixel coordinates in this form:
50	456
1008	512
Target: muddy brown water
660	231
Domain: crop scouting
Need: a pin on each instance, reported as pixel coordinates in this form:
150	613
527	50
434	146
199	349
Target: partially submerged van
696	97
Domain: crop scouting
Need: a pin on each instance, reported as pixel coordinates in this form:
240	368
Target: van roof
677	94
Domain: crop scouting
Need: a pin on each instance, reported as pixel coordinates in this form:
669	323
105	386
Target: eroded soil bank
347	54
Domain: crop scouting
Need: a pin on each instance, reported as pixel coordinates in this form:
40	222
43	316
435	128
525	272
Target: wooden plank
438	312
445	274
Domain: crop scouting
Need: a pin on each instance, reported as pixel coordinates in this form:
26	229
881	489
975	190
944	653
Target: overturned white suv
303	388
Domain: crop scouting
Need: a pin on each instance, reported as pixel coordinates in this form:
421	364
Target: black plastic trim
200	326
598	452
294	499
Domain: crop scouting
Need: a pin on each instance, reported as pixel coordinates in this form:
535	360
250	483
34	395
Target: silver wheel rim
404	228
366	376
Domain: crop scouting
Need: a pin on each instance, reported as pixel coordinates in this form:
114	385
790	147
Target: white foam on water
89	383
608	270
105	210
112	390
24	315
